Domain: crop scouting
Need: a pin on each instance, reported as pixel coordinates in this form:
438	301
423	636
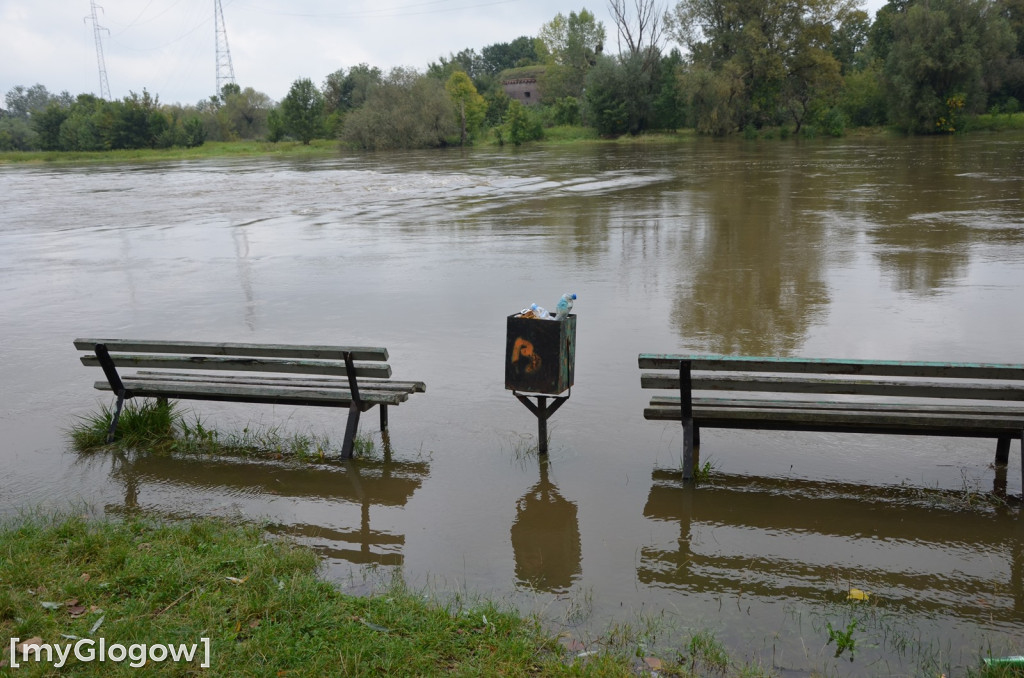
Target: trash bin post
540	358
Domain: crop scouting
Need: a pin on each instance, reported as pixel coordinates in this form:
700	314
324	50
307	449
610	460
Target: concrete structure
524	90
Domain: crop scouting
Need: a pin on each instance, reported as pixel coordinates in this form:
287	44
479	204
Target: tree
243	112
470	105
46	124
302	110
407	110
504	55
762	56
943	56
346	91
22	101
569	46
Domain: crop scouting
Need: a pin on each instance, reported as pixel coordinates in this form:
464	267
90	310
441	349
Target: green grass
163	428
259	601
211	149
266	612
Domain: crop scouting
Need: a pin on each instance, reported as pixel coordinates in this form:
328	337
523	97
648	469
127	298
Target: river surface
888	249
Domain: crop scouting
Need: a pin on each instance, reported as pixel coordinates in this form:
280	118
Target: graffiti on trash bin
524	357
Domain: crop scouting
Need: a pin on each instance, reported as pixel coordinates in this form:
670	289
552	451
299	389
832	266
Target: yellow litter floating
857	594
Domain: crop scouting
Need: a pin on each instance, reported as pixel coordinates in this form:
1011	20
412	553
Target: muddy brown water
895	249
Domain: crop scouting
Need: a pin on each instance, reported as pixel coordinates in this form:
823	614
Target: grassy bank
70	582
561	135
258	601
211	149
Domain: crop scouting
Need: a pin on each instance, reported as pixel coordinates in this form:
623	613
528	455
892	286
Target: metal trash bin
540	355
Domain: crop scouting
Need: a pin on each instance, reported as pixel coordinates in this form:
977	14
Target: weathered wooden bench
849	396
355	377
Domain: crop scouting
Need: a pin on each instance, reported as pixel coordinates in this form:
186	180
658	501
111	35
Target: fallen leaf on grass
145	546
76	611
236	580
51	606
653	663
35	641
85	576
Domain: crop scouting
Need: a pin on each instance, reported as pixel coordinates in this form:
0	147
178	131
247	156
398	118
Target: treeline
718	66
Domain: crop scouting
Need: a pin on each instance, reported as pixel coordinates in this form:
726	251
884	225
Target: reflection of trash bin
540	355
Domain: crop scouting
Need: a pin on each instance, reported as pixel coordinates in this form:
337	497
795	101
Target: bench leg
1002	451
383	418
689	449
350	431
117	415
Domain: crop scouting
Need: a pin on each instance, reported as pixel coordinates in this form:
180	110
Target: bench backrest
280	358
981	381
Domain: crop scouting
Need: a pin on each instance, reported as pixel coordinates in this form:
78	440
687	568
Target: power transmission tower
225	71
96	28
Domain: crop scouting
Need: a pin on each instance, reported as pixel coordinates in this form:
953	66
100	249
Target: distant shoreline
319	148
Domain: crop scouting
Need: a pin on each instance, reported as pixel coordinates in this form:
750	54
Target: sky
168	47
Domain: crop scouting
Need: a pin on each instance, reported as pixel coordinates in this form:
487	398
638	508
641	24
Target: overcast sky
168	47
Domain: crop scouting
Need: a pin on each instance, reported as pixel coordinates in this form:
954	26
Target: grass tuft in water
161	427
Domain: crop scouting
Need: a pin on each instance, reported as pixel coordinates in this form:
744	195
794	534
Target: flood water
878	249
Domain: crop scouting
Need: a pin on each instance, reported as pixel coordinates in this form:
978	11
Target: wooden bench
849	396
355	377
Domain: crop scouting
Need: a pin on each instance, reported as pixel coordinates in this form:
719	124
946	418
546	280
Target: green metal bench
356	377
849	396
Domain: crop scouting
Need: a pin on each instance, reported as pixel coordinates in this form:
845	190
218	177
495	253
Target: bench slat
819	384
853	405
861	421
882	368
292	366
255	394
236	349
298	382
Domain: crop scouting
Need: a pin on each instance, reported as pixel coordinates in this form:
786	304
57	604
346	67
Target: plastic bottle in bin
564	305
539	312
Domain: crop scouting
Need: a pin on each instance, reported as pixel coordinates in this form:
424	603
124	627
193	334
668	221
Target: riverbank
106	598
330	147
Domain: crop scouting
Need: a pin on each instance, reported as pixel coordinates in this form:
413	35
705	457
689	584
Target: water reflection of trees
933	205
809	540
546	537
343	494
754	268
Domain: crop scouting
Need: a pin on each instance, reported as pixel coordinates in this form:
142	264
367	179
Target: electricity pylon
225	71
96	28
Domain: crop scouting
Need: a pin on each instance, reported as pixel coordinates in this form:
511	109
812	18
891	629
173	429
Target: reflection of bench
858	396
251	373
790	539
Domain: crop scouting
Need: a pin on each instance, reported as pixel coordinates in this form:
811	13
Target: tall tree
470	105
302	110
504	55
943	58
569	46
761	55
344	91
407	110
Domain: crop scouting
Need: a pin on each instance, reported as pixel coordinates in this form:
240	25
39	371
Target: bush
521	125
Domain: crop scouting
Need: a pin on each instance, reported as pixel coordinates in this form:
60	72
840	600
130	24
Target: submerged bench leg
383	418
350	431
691	433
689	450
1002	451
